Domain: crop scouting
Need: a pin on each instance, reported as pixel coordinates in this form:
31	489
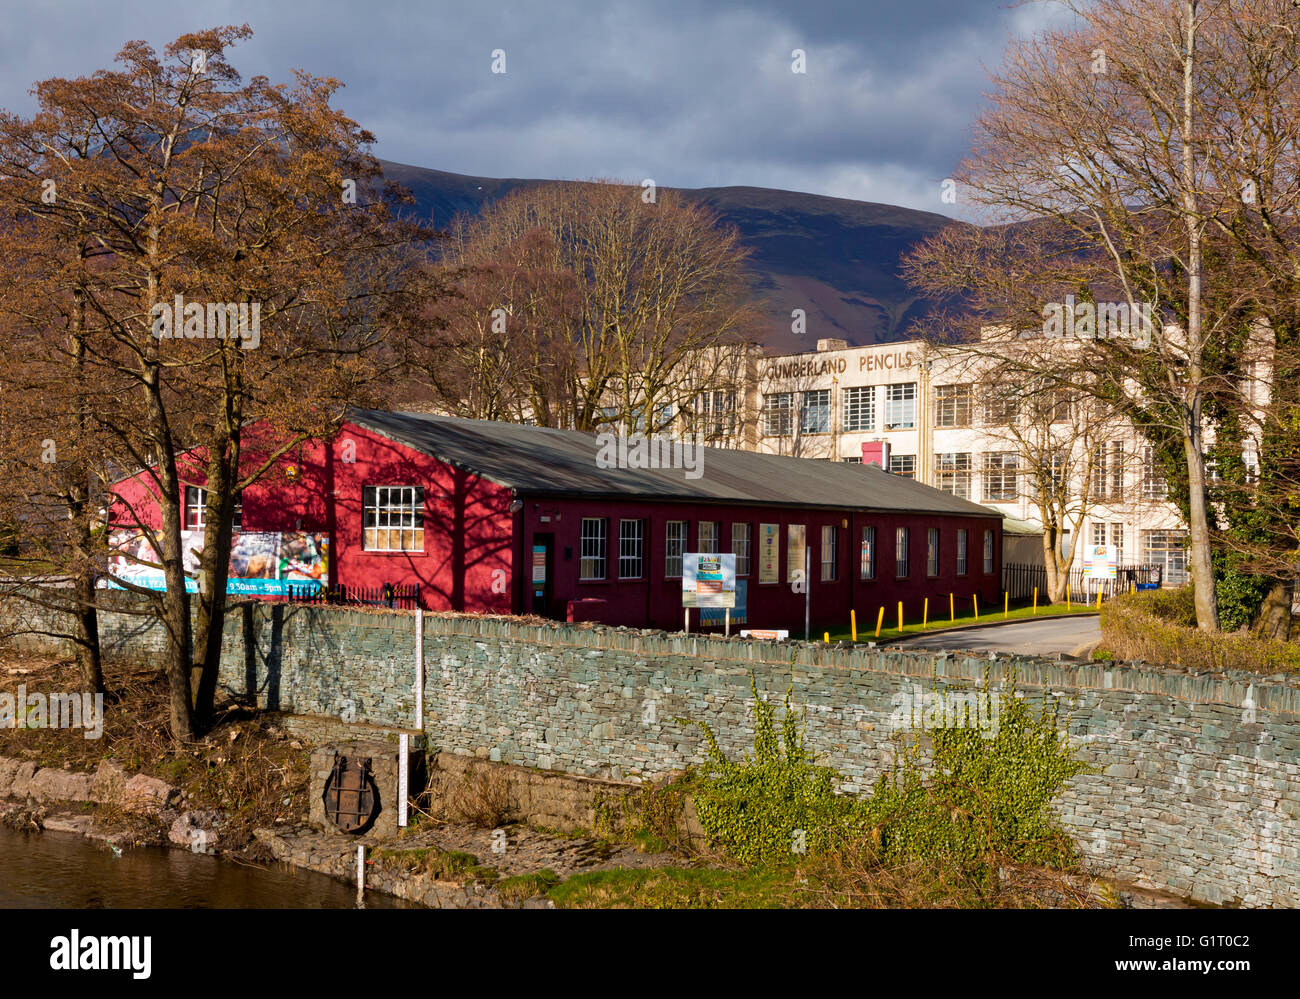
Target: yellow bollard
1035	599
853	623
1132	589
975	597
1006	603
900	617
1068	607
826	637
1099	598
925	614
880	620
952	614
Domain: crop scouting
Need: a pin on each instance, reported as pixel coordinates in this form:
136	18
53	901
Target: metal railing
1019	580
398	596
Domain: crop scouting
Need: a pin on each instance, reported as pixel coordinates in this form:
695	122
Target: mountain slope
836	259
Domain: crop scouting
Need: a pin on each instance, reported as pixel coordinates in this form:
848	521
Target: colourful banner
262	563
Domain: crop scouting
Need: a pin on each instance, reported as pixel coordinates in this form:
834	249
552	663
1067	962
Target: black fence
1019	581
398	596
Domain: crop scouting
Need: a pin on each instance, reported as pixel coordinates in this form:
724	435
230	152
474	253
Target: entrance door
541	574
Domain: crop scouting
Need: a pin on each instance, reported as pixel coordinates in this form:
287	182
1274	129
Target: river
65	871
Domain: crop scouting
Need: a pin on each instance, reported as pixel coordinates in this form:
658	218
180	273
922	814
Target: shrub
1160	627
983	800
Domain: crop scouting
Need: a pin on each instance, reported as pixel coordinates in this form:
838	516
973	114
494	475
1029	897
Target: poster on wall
262	563
768	553
708	580
795	545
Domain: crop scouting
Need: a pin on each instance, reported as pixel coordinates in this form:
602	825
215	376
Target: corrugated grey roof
539	461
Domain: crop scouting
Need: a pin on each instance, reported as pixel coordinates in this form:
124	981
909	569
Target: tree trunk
89	660
1200	564
223	462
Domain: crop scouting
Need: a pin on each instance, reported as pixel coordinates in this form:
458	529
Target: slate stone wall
1197	789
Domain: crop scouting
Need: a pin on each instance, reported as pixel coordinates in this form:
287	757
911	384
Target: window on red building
740	546
393	518
591	565
196	508
631	540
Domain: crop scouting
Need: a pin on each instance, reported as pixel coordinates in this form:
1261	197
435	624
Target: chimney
876	453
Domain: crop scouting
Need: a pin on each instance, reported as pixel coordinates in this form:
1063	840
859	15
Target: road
1062	634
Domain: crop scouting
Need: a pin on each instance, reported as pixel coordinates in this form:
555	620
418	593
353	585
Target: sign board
262	563
769	553
539	564
716	615
708	580
1099	561
766	636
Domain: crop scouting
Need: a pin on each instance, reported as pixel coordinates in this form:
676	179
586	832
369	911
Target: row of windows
1002	470
954	406
593	549
859	410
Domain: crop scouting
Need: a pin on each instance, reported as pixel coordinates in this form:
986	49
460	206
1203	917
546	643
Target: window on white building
815	412
900	406
952	473
952	405
778	414
1169	550
860	409
903	464
1001	476
1154	484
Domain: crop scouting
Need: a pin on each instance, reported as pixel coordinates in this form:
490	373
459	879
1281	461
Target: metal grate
351	799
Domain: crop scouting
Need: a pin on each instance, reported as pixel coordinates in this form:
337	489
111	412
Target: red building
503	518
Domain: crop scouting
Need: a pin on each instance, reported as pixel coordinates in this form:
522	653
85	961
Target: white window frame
900	406
631	548
593	548
860	409
396	509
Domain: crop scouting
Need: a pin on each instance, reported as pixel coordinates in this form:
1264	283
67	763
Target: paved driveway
1062	634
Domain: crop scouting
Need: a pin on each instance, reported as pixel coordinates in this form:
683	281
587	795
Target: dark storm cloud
668	91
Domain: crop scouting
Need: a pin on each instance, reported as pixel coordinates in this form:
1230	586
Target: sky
687	93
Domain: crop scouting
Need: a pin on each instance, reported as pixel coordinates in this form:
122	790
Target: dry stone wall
1196	788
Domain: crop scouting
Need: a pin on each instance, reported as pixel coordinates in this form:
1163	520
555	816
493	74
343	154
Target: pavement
1062	634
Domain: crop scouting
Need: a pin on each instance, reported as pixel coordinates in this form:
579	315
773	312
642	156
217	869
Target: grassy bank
1160	627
